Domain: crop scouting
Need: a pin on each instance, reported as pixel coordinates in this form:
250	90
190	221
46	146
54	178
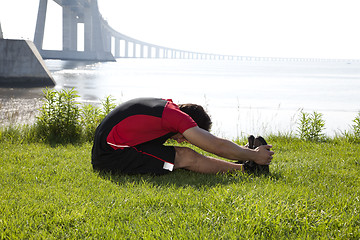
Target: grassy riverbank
48	189
51	192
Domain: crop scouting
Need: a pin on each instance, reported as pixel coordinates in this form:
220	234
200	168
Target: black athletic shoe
251	141
250	166
250	144
258	142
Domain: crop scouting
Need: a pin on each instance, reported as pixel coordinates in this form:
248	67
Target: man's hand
263	155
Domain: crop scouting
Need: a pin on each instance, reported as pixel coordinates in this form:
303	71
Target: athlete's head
198	114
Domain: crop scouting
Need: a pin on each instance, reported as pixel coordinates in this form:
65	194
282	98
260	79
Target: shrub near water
61	120
91	116
89	120
58	120
311	126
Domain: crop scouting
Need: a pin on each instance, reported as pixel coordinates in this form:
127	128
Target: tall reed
311	126
59	115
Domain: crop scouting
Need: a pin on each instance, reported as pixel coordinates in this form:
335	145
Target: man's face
179	138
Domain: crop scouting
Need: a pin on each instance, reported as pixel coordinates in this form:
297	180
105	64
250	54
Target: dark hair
198	114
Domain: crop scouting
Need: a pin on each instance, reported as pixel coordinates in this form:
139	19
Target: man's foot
250	166
250	144
258	142
251	141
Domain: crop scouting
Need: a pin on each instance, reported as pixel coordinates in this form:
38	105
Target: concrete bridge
104	43
100	38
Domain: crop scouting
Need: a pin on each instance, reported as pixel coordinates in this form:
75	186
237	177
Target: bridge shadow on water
183	178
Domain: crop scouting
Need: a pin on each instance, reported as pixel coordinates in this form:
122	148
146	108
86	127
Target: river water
242	97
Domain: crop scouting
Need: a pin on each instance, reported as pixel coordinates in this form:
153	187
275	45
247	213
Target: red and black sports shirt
141	120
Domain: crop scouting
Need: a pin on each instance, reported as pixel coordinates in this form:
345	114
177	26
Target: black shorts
148	158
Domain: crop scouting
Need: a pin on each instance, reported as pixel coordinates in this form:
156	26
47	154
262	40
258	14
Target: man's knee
185	157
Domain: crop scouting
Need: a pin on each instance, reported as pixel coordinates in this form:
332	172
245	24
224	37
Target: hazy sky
279	28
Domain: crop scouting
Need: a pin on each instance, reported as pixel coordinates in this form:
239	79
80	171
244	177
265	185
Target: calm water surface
242	97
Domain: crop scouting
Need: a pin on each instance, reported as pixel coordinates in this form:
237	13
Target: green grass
51	192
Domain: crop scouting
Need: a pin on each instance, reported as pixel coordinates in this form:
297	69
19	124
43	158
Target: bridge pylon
74	12
1	33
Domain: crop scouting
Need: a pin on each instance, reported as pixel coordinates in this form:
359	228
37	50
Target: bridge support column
157	52
97	43
40	24
142	51
69	29
88	31
126	49
117	48
149	52
107	42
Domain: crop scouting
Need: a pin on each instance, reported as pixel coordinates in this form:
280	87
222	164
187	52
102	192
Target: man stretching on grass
130	140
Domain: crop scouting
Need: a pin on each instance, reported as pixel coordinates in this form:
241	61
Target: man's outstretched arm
227	149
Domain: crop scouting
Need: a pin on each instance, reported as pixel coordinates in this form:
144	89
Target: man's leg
189	159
